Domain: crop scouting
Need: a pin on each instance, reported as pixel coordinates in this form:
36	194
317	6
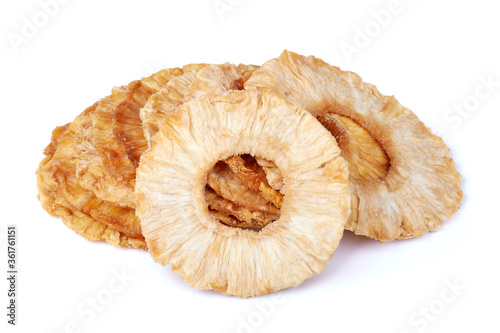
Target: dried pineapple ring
176	221
234	195
420	189
79	209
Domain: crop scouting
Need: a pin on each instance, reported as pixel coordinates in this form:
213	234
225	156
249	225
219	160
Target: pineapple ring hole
367	158
244	192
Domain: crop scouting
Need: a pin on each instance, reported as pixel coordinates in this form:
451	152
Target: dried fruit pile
243	178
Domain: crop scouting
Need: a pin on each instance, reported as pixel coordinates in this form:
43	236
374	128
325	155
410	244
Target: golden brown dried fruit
105	164
244	217
178	226
367	158
405	194
111	142
226	184
127	125
249	171
61	195
102	165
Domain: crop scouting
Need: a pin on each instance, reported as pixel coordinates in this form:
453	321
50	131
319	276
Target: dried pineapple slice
220	78
108	151
127	125
79	209
248	170
226	184
245	217
232	189
273	174
196	80
178	225
102	165
367	158
111	142
403	181
167	100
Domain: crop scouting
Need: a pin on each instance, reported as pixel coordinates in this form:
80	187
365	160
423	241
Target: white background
432	55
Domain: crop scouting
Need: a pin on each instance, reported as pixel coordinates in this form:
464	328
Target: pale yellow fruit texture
196	79
175	219
421	187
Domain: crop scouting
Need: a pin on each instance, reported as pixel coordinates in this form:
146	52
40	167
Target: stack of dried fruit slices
243	178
